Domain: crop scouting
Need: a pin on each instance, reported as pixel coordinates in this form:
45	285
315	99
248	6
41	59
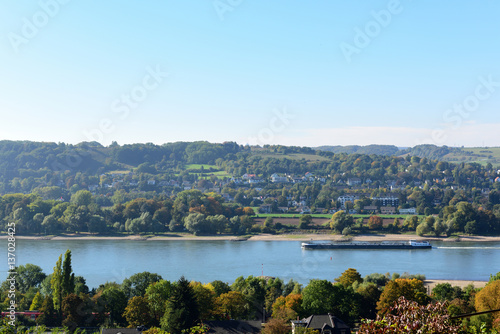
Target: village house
370	209
387	210
275	178
389	200
353	181
409	211
324	324
265	208
347	198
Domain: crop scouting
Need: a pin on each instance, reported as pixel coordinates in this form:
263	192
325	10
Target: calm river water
205	261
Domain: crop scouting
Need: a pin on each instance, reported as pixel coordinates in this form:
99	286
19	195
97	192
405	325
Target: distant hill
369	149
481	155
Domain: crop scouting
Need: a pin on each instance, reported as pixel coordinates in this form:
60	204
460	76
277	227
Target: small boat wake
472	247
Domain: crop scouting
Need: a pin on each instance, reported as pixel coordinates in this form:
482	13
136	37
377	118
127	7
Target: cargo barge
411	244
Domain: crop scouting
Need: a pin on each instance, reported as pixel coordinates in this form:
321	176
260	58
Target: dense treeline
148	299
191	210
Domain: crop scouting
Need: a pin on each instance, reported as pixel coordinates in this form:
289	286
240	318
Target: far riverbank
265	237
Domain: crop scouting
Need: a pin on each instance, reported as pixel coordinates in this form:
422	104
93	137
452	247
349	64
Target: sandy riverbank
430	284
262	237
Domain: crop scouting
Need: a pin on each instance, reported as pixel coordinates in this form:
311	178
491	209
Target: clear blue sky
341	72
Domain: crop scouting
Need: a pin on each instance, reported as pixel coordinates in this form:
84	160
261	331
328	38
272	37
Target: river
99	261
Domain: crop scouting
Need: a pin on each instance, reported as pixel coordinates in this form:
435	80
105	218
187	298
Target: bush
347	231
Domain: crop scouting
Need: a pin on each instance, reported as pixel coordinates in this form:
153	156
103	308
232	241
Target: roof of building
121	331
233	326
322	320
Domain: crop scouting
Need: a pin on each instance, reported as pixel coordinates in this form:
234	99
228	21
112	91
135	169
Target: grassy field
326	215
119	172
220	174
294	156
481	155
198	166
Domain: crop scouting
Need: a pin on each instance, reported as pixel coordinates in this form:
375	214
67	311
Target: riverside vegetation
373	302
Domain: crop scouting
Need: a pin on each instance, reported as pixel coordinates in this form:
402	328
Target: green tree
445	292
219	287
318	297
82	197
48	316
115	302
68	277
137	313
56	285
137	284
29	275
182	310
340	220
157	294
305	221
348	277
36	304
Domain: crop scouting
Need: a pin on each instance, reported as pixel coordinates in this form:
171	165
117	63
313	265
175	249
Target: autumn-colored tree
489	299
288	308
218	287
411	289
348	277
375	222
276	326
231	305
205	298
405	316
137	312
248	211
72	309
